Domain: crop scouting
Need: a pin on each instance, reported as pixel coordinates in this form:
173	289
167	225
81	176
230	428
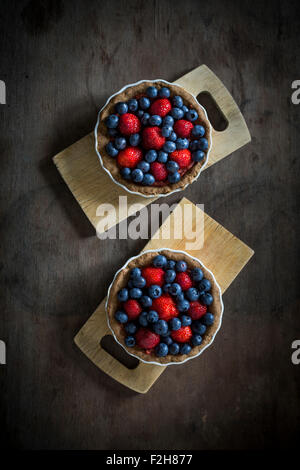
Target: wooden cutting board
218	249
91	186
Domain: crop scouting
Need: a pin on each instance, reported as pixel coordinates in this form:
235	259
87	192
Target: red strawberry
132	308
161	107
146	339
153	276
183	335
129	157
184	280
182	157
129	124
165	307
152	138
197	310
183	128
159	171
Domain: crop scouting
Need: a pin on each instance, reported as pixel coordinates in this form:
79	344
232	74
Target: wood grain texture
90	184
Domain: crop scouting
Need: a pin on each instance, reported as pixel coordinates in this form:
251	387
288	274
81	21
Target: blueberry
198	156
192	294
145	119
137	175
148	180
185	108
160	261
171	264
197	274
203	144
130	284
166	287
139	282
181	266
198	327
185	349
180	297
161	327
155	120
177	113
167	339
152	316
196	340
174	177
151	92
134	139
135	272
120	143
144	166
173	137
208	319
175	324
144	102
207	298
111	149
168	121
123	295
140	113
130	341
186	320
198	131
132	105
182	144
204	285
130	328
151	156
191	115
183	305
143	319
177	101
194	145
135	293
112	132
121	107
146	301
172	167
166	131
162	157
126	173
112	121
174	348
170	275
154	291
121	316
175	289
164	92
161	350
169	146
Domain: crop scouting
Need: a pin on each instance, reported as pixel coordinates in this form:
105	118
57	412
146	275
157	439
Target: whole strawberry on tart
164	306
153	137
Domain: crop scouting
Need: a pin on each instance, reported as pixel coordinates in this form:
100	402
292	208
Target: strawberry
146	339
161	107
129	157
197	310
132	308
129	124
183	128
152	138
159	171
184	280
183	335
153	276
165	307
182	157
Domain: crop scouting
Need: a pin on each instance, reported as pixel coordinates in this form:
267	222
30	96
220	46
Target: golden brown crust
145	259
103	138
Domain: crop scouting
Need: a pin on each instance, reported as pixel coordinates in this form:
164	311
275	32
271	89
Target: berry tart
153	138
164	307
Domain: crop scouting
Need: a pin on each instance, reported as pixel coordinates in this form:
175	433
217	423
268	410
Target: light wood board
218	249
91	186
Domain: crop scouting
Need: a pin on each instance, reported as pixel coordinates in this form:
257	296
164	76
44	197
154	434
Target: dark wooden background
60	61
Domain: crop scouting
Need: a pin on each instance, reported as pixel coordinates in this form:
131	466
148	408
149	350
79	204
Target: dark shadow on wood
115	350
215	115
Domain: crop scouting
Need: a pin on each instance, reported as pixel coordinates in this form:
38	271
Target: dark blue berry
112	132
186	320
164	92
154	291
185	109
111	149
167	339
166	287
139	282
143	319
152	316
177	101
120	143
145	119
121	107
123	295
140	113
135	272
134	139
207	319
151	156
166	131
170	275
121	316
173	137
130	284
171	264
177	113
207	298
175	324
197	156
151	92
174	348
175	289
112	121
168	121
144	166
148	179
183	305
135	293
198	327
194	145
137	175
172	167
144	102
126	173
180	296
155	120
181	266
196	340
130	328
161	327
198	131
192	294
197	274
162	157
191	115
204	285
132	105
146	301
160	261
130	341
174	177
169	146
161	350
185	349
182	144
203	144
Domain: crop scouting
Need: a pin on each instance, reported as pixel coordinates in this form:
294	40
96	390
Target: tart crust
121	280
103	138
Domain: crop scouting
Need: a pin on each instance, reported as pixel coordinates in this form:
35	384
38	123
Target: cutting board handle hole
215	115
109	345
